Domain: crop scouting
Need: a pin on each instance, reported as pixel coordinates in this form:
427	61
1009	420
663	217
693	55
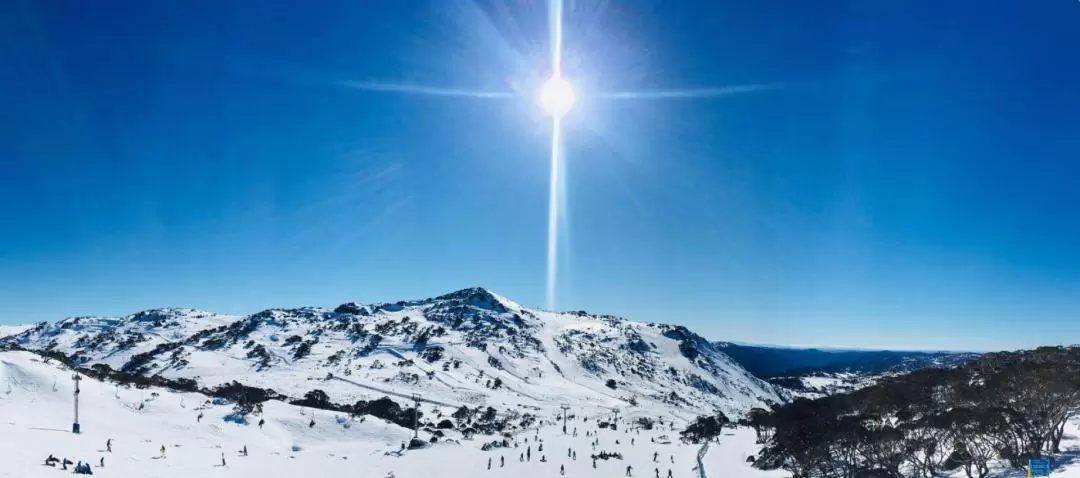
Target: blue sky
898	174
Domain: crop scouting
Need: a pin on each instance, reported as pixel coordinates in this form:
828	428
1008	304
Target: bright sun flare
556	97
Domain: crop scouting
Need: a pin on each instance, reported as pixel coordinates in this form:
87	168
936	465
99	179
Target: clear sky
888	174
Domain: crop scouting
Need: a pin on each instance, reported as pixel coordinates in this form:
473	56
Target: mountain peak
478	297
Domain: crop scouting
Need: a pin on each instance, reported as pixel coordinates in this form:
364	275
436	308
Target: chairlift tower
564	408
416	415
75	425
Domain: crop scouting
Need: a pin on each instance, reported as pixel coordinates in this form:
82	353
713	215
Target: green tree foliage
1007	405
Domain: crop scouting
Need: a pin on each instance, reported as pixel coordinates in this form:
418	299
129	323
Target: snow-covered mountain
6	329
469	347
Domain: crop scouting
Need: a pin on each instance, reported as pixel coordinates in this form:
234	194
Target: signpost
1038	467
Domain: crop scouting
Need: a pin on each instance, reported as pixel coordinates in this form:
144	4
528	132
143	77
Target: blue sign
1039	467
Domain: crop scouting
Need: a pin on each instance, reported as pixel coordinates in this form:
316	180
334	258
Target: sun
556	97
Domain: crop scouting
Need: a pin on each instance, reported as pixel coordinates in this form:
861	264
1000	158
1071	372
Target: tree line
1009	406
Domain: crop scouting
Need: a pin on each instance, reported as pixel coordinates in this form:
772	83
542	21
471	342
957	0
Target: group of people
572	454
80	467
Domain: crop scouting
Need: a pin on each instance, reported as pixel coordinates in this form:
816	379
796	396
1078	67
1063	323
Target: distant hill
770	362
13	329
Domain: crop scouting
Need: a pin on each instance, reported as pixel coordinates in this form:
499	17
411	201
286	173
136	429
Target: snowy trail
433	373
701	460
396	394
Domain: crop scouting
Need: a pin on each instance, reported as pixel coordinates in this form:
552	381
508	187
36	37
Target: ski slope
36	414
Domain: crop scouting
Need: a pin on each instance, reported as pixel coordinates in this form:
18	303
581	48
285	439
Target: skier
562	470
669	473
654	456
673	458
489	462
594	462
657	470
108	445
575	455
102	462
262	421
198	419
245	450
311	424
163	451
541	447
631	441
222	459
521	457
528	452
569	452
543	458
502	461
628	470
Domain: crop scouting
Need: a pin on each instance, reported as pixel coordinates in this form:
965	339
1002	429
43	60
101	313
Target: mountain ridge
469	347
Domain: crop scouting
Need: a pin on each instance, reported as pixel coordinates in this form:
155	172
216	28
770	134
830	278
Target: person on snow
521	457
262	421
311	424
594	462
673	458
569	452
245	450
562	470
657	470
51	460
669	473
654	456
502	461
489	462
575	455
198	419
631	441
628	470
108	445
101	462
541	447
222	459
528	452
543	458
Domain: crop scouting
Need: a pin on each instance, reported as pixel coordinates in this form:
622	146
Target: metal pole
564	409
75	426
416	415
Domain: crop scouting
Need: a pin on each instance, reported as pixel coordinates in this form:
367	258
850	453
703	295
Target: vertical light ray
556	158
553	212
556	38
